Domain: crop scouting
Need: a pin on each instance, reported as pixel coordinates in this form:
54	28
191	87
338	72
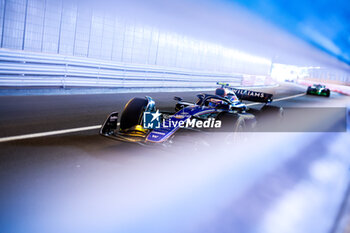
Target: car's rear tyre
231	122
328	93
268	112
133	113
236	122
274	112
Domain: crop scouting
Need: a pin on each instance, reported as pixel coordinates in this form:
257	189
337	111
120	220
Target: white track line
280	99
65	131
50	133
289	97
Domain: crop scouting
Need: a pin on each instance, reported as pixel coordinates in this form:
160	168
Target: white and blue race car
141	122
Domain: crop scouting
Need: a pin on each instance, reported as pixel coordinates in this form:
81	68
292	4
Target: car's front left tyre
133	113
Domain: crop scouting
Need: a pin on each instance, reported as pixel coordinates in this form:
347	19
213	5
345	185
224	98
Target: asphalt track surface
82	182
33	114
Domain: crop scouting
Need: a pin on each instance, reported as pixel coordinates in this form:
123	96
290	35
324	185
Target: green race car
318	89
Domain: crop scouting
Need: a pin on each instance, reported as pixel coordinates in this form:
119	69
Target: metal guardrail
18	68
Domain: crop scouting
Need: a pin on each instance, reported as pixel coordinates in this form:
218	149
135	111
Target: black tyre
328	93
133	113
268	112
308	92
272	111
231	122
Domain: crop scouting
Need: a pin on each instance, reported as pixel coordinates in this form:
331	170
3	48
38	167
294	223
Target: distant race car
318	89
138	121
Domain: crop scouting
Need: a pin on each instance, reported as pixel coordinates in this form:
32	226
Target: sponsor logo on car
151	120
249	93
193	123
154	120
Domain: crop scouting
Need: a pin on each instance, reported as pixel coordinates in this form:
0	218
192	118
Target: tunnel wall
73	29
335	76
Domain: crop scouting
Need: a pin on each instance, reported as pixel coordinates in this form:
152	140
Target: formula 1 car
209	110
318	89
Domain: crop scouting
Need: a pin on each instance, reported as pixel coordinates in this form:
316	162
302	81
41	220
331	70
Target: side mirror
177	98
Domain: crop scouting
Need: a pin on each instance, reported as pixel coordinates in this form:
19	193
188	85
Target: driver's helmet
221	92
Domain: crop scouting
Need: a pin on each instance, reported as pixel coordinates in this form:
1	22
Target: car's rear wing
249	95
254	96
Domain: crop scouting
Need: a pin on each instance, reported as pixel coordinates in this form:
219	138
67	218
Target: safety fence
24	69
